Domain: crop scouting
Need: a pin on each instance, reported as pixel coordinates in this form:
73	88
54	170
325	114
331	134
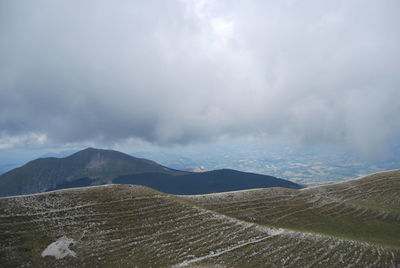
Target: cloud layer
188	71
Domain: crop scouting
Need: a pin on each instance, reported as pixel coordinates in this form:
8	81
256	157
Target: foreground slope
128	226
366	209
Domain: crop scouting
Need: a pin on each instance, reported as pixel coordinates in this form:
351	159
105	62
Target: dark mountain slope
101	166
205	182
95	167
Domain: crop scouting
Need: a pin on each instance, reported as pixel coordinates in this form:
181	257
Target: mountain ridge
101	166
220	180
97	166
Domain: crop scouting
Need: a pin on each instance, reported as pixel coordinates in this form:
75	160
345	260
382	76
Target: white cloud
28	140
189	71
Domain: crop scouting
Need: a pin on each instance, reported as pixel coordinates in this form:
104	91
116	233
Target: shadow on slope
223	180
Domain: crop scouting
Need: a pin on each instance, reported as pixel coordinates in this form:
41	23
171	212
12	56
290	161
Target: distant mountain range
96	167
350	224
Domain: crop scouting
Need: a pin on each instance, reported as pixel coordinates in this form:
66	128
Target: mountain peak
90	149
94	152
99	166
93	166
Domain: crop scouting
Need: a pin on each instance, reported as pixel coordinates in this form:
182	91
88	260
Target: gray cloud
187	71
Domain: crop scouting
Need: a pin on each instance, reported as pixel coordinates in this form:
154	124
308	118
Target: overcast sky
186	72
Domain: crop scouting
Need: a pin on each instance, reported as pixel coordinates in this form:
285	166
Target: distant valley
307	165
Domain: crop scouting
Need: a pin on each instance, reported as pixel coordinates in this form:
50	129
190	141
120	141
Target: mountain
93	166
222	180
351	224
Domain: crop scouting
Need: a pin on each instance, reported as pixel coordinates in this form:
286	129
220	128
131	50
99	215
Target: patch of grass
128	226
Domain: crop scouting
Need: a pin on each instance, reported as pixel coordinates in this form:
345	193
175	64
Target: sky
121	74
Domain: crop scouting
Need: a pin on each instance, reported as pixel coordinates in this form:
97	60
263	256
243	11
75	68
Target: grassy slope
124	226
367	209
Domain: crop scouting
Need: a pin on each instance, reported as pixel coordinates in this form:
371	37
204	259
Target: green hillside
353	224
366	209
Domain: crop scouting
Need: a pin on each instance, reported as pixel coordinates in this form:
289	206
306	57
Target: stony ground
352	224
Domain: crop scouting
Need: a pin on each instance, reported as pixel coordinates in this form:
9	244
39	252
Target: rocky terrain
351	224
